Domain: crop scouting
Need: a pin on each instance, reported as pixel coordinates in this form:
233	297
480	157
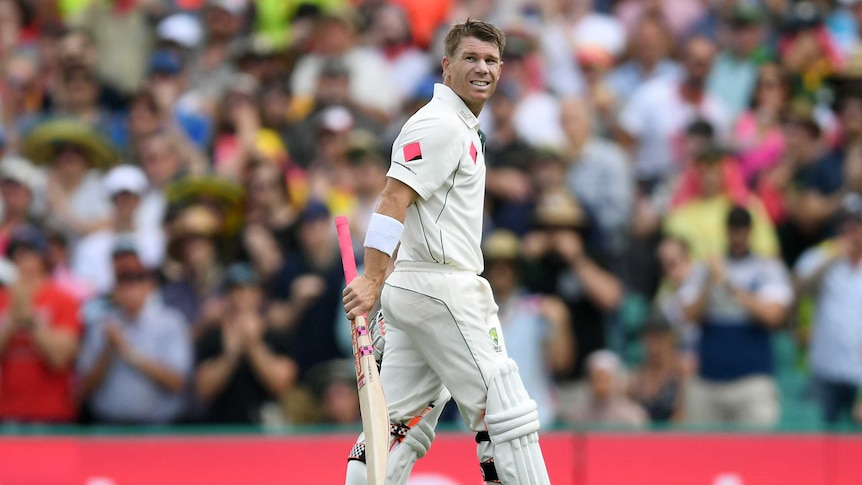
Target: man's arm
694	308
560	347
770	314
58	346
162	375
93	378
362	293
214	374
7	328
276	372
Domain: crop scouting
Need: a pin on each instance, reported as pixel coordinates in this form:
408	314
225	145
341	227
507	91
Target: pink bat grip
346	245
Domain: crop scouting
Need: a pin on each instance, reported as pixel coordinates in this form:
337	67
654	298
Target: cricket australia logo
493	334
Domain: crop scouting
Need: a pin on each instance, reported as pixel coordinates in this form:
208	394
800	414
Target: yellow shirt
702	223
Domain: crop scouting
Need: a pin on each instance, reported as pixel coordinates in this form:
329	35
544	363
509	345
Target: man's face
473	71
738	239
698	59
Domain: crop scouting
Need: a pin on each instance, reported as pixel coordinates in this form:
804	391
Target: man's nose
481	66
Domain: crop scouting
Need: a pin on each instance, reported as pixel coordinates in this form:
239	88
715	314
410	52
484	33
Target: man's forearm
213	375
57	346
161	375
276	372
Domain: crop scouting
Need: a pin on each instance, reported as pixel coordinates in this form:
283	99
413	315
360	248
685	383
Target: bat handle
346	245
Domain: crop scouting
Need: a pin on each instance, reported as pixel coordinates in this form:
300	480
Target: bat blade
372	403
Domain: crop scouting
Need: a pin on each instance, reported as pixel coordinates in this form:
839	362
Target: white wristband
383	233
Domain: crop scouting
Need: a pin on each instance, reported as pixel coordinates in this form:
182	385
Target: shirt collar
444	93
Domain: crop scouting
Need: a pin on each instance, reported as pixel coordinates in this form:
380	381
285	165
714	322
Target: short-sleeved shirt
241	398
836	340
440	155
29	390
732	344
159	334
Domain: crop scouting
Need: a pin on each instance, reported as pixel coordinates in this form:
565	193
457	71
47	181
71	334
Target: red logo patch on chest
473	152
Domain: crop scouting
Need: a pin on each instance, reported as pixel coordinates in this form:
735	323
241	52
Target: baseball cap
241	274
313	211
336	119
234	7
746	14
20	170
181	28
28	236
165	62
125	178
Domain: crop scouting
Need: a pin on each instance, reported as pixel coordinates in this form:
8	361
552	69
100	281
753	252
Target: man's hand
568	245
116	340
360	296
306	288
232	339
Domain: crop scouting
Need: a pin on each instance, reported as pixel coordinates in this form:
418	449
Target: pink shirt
756	151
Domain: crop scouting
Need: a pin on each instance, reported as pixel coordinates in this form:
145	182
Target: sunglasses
135	277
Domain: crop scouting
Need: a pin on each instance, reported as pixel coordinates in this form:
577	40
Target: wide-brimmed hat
41	144
224	196
558	208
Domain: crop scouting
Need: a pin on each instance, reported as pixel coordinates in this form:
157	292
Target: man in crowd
833	273
241	362
738	301
39	336
137	354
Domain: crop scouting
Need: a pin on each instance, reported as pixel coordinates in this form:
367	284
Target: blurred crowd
671	184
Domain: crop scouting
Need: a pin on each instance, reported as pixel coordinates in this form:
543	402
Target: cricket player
442	331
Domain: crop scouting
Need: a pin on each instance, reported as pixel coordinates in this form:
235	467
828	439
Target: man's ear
445	64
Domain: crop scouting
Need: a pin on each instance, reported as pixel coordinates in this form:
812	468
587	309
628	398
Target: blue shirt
629	76
126	395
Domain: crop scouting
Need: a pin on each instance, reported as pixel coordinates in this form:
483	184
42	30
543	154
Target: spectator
76	201
270	220
837	173
559	261
650	46
653	120
599	175
20	182
136	357
758	134
537	328
659	381
242	363
508	185
734	73
787	189
831	272
606	402
39	336
714	184
391	37
195	274
333	387
681	15
368	72
738	300
307	291
123	38
211	71
676	268
125	185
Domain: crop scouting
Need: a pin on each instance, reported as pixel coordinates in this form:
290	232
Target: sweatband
383	233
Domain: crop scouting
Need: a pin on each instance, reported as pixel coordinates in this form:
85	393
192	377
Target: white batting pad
513	425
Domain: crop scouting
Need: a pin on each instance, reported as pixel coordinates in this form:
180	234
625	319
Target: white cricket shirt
439	155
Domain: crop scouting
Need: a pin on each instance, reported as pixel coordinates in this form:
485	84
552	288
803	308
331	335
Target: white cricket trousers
442	330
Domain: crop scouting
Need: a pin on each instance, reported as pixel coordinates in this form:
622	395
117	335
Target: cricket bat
372	404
